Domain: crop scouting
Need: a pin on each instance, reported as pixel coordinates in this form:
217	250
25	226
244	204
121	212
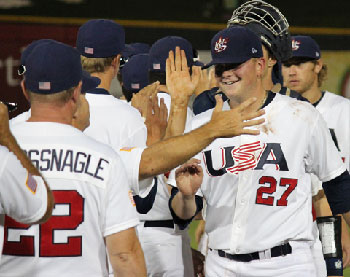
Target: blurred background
22	21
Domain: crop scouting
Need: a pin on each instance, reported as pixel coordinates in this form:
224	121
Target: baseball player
258	188
100	43
88	180
135	75
24	194
129	51
305	72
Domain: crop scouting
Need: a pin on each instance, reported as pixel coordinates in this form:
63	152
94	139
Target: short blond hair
96	65
61	97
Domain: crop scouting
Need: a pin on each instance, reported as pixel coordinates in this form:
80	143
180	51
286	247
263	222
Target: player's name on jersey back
93	167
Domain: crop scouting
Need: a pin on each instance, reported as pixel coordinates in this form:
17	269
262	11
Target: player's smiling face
300	75
237	80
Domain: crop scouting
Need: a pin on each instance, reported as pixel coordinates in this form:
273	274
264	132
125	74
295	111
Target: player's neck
267	81
260	94
313	95
51	113
106	79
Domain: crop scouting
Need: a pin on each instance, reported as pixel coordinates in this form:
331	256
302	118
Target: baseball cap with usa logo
52	67
305	47
100	38
236	45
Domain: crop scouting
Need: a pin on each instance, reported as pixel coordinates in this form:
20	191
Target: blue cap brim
238	60
89	82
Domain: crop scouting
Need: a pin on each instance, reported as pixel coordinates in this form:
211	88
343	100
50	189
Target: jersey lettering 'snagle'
67	160
247	156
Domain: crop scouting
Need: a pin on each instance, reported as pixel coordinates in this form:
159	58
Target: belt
276	251
159	223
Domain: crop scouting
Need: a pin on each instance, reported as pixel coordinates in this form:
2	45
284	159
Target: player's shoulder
332	99
301	109
59	135
22	117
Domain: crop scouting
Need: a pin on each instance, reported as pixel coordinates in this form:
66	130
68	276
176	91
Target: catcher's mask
268	23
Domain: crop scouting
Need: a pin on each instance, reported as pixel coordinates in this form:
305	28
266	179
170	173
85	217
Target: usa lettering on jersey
247	156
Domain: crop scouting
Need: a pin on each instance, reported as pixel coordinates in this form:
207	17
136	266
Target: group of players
255	153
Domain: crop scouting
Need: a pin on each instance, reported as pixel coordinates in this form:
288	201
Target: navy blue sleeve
338	193
145	204
183	223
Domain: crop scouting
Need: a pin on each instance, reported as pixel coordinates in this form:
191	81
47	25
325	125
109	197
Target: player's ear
260	66
116	61
271	62
77	92
318	66
24	90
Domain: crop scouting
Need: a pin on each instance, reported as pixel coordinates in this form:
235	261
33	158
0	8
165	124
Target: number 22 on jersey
46	235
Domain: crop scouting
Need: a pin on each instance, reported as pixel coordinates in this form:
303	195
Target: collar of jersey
269	98
319	100
100	91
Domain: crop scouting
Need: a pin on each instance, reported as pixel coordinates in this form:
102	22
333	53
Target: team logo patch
89	50
45	85
31	184
295	45
131	198
127	149
135	86
254	50
221	45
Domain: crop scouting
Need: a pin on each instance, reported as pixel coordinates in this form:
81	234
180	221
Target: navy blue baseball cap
305	47
159	52
89	82
135	73
100	38
52	67
235	44
132	49
22	69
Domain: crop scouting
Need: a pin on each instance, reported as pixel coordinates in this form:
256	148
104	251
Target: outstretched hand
234	122
179	82
189	177
140	100
156	120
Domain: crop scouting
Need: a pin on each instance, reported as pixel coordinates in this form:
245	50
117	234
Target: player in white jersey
93	210
24	194
305	72
258	189
112	121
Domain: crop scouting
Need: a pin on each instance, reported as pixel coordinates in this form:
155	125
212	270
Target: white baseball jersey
115	123
90	187
258	188
335	110
22	196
